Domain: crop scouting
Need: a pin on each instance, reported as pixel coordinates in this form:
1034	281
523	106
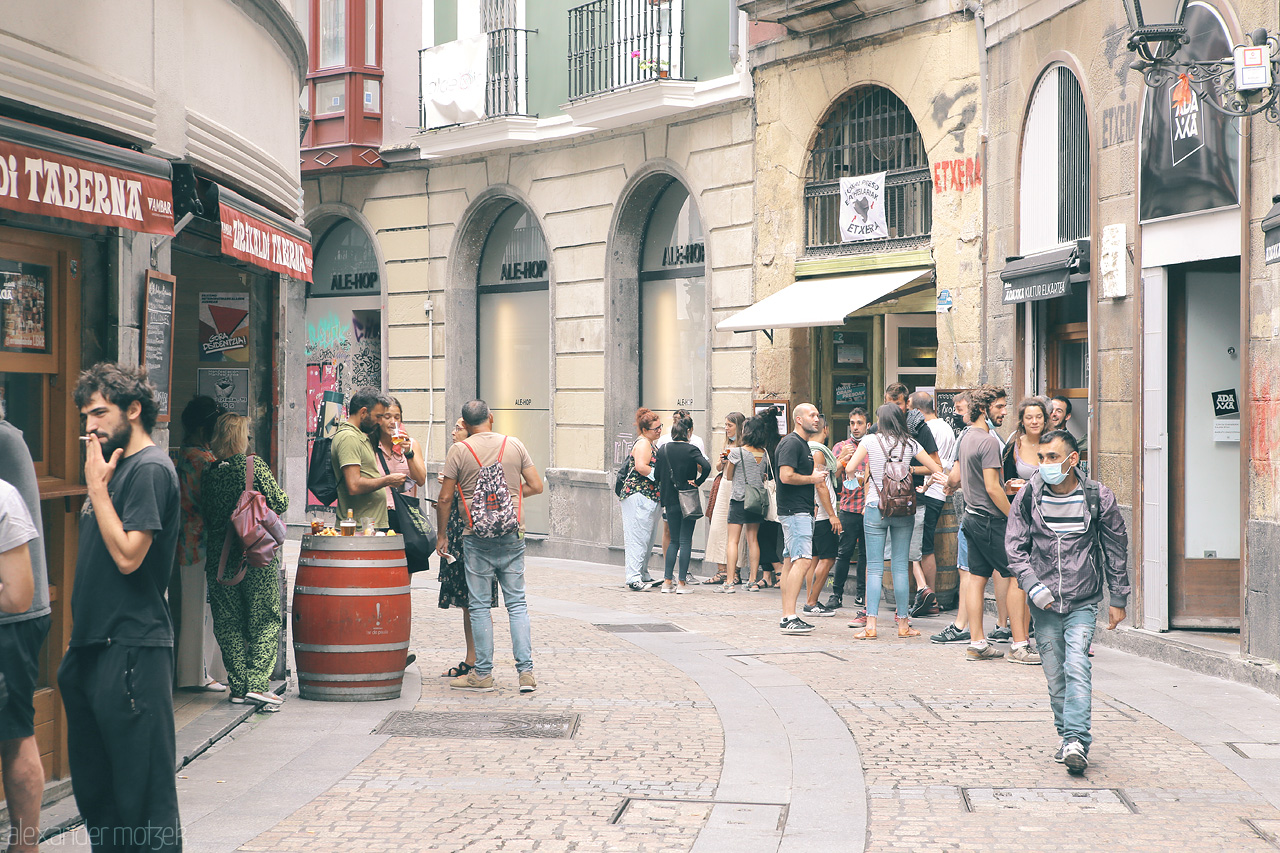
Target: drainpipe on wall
980	29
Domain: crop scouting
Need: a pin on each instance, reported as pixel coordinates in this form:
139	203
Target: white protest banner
453	82
862	208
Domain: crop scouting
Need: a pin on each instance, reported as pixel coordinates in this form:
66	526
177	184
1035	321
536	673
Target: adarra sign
261	244
49	184
862	208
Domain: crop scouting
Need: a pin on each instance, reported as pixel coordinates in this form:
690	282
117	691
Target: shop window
869	131
673	308
1055	165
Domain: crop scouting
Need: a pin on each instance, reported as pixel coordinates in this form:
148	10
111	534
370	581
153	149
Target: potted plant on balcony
661	67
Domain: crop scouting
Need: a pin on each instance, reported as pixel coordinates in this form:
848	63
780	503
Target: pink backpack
259	528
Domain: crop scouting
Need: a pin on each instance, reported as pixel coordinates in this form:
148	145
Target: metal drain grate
450	724
659	811
748	658
642	628
1008	710
1047	800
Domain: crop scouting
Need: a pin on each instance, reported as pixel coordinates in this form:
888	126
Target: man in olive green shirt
361	486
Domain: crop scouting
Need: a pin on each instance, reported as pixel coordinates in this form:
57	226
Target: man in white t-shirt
932	500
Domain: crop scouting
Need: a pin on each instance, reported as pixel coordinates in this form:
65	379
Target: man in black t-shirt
796	480
117	676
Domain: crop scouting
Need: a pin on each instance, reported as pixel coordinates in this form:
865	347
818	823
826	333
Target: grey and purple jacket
1065	562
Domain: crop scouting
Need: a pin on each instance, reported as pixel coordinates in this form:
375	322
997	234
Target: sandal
905	630
865	634
457	671
719	578
772	581
754	587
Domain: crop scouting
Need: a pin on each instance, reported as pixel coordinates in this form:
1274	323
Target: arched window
867	132
1054	201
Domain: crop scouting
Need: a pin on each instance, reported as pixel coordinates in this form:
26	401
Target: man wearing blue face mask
1066	539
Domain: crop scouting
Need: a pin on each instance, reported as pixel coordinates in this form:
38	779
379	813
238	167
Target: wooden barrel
947	584
351	618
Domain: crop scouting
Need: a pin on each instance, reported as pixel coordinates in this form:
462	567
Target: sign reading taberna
66	177
257	236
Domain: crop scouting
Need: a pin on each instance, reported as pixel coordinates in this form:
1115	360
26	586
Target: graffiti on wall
959	175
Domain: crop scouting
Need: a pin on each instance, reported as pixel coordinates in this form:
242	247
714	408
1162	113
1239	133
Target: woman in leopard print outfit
246	617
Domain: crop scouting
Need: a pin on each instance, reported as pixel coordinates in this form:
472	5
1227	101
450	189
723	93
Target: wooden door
1204	473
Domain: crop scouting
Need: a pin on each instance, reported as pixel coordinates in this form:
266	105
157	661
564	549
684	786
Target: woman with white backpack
246	615
886	515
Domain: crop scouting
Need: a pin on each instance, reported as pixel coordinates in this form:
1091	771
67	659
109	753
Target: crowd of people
787	510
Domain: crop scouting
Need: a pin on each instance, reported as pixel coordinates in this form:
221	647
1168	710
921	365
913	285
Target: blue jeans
898	531
962	551
1063	641
639	520
681	545
484	559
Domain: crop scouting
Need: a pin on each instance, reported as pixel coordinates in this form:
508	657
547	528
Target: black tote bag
408	519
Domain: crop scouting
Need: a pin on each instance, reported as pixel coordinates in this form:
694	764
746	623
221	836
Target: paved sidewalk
725	735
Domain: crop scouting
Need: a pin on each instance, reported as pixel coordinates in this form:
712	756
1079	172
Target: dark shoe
651	582
1000	635
409	659
455	671
1058	754
926	604
794	625
817	610
860	599
1074	756
835	602
950	634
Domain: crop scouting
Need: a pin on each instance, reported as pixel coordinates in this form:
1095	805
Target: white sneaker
684	589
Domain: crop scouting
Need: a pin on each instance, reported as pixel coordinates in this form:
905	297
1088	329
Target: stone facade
591	195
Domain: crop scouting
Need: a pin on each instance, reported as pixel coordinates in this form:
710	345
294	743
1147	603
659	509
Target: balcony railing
506	81
619	43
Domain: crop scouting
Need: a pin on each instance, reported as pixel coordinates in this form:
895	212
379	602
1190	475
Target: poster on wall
1190	151
229	387
783	420
349	340
851	394
321	379
22	300
224	327
862	214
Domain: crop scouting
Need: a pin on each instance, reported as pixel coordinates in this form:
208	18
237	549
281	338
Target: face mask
1053	474
850	485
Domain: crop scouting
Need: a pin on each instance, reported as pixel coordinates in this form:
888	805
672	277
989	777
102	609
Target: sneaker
859	600
835	602
528	683
1074	756
1000	635
637	586
818	609
1058	754
950	634
666	588
987	652
795	625
859	621
237	700
685	589
267	709
651	582
1024	654
473	683
263	697
926	604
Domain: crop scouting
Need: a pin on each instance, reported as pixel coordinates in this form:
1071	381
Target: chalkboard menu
944	404
157	337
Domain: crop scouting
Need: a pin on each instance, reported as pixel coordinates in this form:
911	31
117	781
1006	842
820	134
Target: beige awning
821	301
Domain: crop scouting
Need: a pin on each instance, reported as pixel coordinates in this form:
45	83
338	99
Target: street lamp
1242	84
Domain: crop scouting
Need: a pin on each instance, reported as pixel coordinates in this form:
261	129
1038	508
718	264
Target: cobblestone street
715	732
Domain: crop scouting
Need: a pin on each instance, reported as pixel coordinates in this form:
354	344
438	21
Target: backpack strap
248	473
226	545
501	452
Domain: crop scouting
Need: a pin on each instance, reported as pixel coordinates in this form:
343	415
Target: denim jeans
962	550
639	520
898	532
501	557
681	544
797	535
852	540
1063	641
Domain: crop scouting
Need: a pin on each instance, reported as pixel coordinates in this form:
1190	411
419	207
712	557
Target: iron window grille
506	84
870	131
1073	160
618	43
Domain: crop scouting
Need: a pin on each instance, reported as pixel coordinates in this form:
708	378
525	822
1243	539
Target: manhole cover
446	724
1047	800
642	628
